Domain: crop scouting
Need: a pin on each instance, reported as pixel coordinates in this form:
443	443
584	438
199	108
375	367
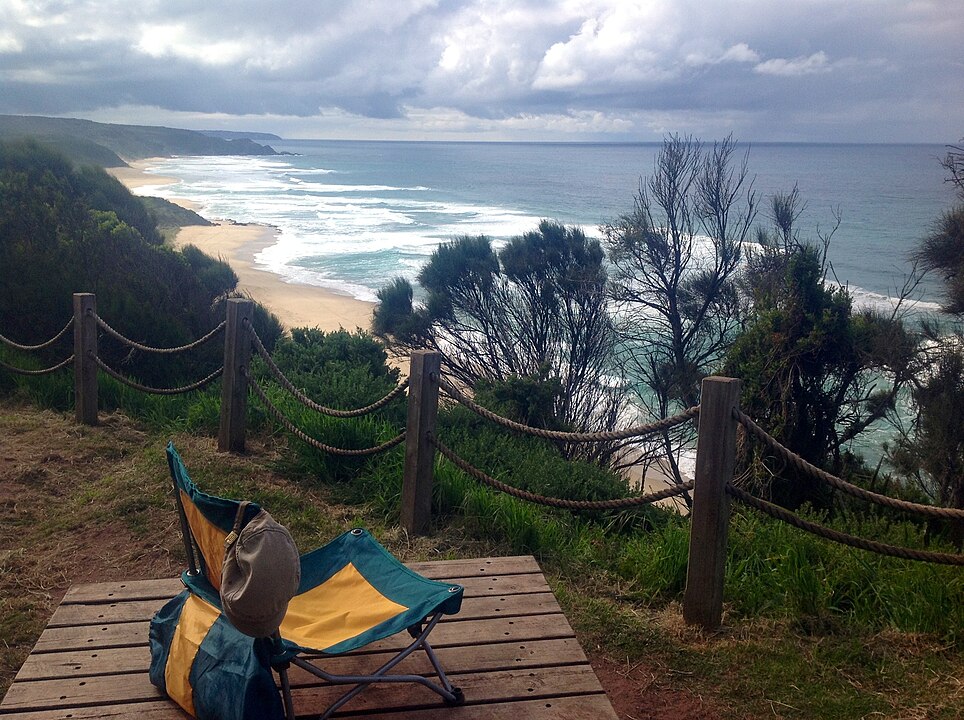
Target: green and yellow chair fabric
352	592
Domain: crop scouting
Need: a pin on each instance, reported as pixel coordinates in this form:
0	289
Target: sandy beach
295	305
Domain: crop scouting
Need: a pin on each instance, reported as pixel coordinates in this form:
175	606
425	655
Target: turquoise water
352	215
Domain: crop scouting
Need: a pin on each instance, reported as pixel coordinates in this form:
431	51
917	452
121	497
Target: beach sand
295	305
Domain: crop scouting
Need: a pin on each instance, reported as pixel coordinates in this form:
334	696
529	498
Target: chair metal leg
286	693
451	695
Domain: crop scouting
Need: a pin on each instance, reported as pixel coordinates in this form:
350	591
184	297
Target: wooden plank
498	629
92	637
504	585
536	683
157	710
460	571
74	664
101	595
107	592
461	664
80	692
94	613
511	625
475	658
461	659
452	569
585	707
140	610
133	611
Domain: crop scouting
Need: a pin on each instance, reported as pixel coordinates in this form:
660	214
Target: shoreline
295	304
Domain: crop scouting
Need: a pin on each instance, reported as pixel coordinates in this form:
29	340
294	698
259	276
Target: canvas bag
223	675
261	573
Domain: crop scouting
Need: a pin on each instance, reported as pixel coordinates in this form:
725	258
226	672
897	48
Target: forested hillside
65	229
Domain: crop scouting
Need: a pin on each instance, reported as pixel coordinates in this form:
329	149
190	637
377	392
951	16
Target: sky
500	70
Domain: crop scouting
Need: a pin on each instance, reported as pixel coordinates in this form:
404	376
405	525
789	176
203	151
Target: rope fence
718	414
40	346
157	350
822	475
317	444
615	504
570	437
308	402
199	385
46	371
775	511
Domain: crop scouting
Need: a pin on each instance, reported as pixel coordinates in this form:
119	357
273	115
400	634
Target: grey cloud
495	61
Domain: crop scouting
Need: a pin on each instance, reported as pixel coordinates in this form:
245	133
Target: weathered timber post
85	358
709	517
417	482
234	383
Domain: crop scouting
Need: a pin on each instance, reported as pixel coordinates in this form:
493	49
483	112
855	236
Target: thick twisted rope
880	548
159	391
616	504
41	346
300	434
307	401
163	351
45	371
573	437
813	471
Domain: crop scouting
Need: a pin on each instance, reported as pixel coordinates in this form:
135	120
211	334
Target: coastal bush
816	372
534	309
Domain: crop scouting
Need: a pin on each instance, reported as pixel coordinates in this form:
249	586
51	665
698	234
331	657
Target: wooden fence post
709	518
234	384
85	354
423	380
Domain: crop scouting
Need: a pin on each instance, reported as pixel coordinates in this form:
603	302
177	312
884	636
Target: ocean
353	215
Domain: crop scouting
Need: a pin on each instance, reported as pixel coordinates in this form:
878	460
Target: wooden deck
510	649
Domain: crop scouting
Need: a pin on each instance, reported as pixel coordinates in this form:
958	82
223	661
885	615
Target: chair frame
450	694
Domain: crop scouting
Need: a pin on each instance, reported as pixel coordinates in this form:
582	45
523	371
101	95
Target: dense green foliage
808	364
66	230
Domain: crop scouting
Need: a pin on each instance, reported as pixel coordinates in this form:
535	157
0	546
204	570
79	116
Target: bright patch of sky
812	70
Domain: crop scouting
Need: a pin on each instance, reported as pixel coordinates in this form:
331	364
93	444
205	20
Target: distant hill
259	137
107	144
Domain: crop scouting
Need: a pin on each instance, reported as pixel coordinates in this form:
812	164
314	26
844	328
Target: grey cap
260	575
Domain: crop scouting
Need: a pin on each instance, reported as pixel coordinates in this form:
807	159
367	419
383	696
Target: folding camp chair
352	592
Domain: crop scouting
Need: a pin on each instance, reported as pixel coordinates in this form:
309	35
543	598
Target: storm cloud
818	70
